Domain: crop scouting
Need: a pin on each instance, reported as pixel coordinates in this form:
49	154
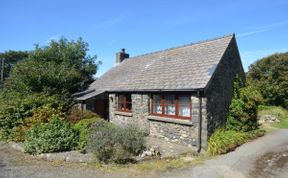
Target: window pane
128	106
121	102
184	106
157	106
128	98
121	98
170	104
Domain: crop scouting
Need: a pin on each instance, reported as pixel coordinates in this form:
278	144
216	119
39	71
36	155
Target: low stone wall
68	156
122	120
175	133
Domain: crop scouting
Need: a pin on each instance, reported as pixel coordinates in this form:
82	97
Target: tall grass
224	141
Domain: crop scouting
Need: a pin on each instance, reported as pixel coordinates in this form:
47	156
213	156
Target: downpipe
199	123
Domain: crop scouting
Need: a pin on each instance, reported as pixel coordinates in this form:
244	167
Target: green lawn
279	112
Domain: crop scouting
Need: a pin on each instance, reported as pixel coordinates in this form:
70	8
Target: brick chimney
121	56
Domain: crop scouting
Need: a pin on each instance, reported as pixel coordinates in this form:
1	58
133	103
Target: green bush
224	141
15	107
111	143
54	136
40	115
75	114
44	113
83	127
242	114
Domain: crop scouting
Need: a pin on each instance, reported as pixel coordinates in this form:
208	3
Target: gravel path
264	157
16	164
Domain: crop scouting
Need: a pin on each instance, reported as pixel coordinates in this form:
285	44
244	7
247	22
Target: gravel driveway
16	164
264	157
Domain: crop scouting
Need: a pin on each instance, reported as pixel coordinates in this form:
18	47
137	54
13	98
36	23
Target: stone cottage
180	94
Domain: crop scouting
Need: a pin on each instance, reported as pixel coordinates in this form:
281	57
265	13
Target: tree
48	76
270	76
61	67
242	114
8	60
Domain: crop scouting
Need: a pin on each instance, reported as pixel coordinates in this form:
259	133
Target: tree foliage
61	67
270	76
47	77
10	59
242	115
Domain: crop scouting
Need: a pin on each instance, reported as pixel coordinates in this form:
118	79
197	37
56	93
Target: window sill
129	114
170	120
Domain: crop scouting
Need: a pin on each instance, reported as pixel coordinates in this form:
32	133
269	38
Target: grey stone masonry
175	133
195	109
184	132
179	133
204	133
140	110
219	91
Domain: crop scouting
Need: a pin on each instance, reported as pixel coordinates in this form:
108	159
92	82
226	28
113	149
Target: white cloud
262	29
252	32
110	22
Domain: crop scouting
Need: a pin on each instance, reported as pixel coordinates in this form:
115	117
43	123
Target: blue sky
261	26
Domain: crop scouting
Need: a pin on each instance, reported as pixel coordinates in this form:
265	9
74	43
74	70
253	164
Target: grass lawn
279	112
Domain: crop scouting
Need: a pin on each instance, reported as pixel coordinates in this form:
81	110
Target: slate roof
186	67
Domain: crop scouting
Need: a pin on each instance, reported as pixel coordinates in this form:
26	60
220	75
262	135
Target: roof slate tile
186	67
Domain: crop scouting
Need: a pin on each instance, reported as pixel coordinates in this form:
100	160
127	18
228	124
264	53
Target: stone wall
219	92
176	133
140	109
179	131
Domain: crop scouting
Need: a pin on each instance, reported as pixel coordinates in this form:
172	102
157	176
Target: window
184	106
178	106
170	105
124	102
157	104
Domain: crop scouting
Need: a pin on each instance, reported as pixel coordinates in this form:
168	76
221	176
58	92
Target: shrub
83	127
15	107
242	114
111	143
75	114
54	136
40	115
223	141
45	113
